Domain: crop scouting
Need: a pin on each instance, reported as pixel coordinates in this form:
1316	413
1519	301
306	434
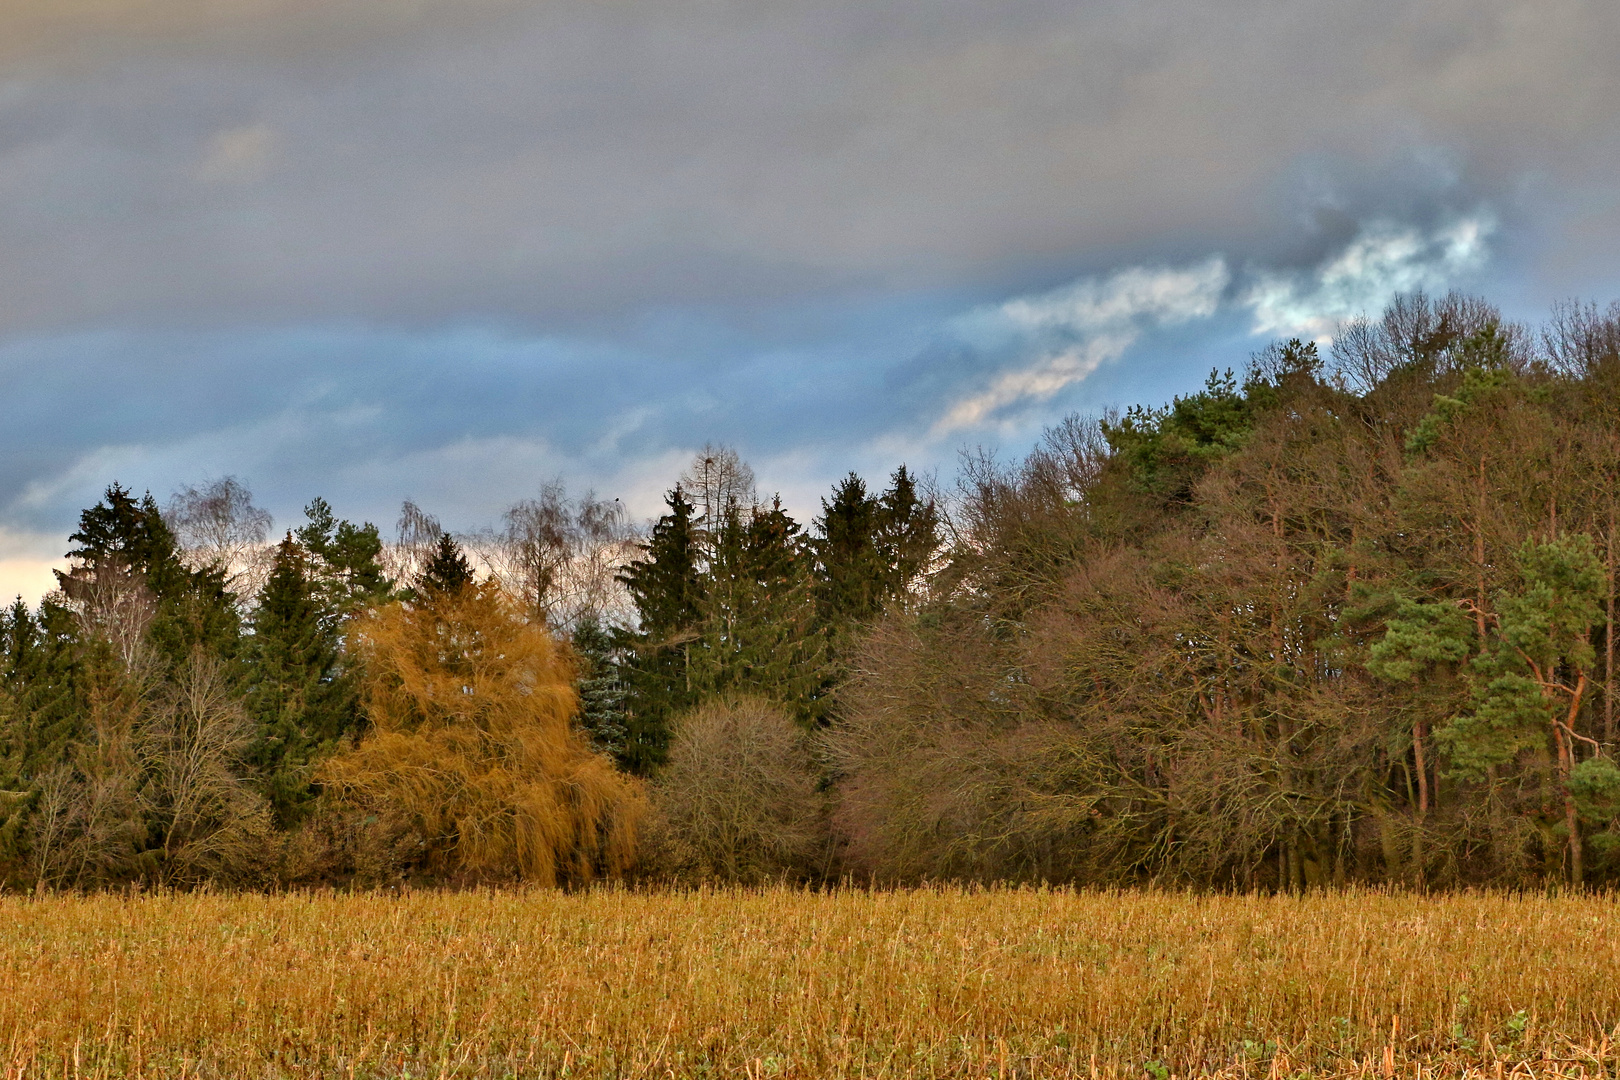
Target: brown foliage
471	753
737	800
1112	685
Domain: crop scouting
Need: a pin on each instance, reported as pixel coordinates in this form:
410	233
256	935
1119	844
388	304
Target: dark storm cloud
399	246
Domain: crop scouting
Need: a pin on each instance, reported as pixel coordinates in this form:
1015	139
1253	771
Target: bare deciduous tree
717	480
560	556
416	534
210	822
112	603
218	526
738	800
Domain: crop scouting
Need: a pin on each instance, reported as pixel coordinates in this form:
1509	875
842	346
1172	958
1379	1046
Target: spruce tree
758	633
666	588
123	537
601	686
41	715
447	572
853	576
301	700
907	534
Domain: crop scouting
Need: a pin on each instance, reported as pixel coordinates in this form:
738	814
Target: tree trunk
1608	640
1421	762
1479	558
1564	739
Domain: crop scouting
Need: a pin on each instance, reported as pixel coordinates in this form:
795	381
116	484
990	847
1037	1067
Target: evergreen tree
447	572
869	550
131	584
1166	450
301	700
347	565
601	686
1531	686
853	571
666	588
758	633
132	533
41	715
907	534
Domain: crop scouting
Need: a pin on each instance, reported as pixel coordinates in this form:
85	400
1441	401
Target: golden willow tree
471	757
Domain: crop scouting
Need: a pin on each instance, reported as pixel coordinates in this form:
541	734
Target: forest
1342	618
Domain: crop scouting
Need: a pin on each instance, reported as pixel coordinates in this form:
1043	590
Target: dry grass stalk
776	982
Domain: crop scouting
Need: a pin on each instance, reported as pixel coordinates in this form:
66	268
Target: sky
448	250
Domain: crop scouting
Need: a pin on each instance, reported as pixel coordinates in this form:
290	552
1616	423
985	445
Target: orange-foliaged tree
472	757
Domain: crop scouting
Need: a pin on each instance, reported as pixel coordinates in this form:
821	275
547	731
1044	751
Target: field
751	984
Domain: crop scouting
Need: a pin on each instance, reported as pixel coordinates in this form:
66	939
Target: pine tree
347	565
300	698
1531	686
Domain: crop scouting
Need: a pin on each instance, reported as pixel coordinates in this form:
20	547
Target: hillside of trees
1337	618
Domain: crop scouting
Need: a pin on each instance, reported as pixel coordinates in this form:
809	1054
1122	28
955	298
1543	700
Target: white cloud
1383	260
1050	341
1074	330
1039	382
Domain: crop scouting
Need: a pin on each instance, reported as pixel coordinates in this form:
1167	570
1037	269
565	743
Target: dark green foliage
447	571
853	572
666	588
39	667
1478	383
908	534
601	687
1536	669
125	550
1167	449
41	712
131	533
1418	637
664	583
870	550
301	699
347	558
757	631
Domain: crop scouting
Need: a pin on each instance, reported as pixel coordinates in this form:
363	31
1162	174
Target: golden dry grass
774	982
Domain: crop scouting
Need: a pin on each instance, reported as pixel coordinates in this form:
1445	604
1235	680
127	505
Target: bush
738	800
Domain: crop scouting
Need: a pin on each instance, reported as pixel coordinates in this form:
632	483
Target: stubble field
776	982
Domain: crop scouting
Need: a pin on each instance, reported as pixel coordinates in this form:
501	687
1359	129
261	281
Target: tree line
1342	618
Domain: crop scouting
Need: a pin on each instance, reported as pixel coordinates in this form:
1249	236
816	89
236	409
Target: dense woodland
1338	618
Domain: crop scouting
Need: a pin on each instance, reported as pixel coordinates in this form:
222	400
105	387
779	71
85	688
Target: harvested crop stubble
777	982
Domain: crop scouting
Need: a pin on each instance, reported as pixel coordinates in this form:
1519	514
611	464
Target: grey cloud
474	416
578	161
371	248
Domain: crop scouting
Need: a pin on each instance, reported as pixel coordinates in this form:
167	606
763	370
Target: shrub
738	799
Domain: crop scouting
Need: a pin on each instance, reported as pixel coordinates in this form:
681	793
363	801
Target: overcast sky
386	249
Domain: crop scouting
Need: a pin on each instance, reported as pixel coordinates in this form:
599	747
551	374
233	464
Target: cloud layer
448	248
